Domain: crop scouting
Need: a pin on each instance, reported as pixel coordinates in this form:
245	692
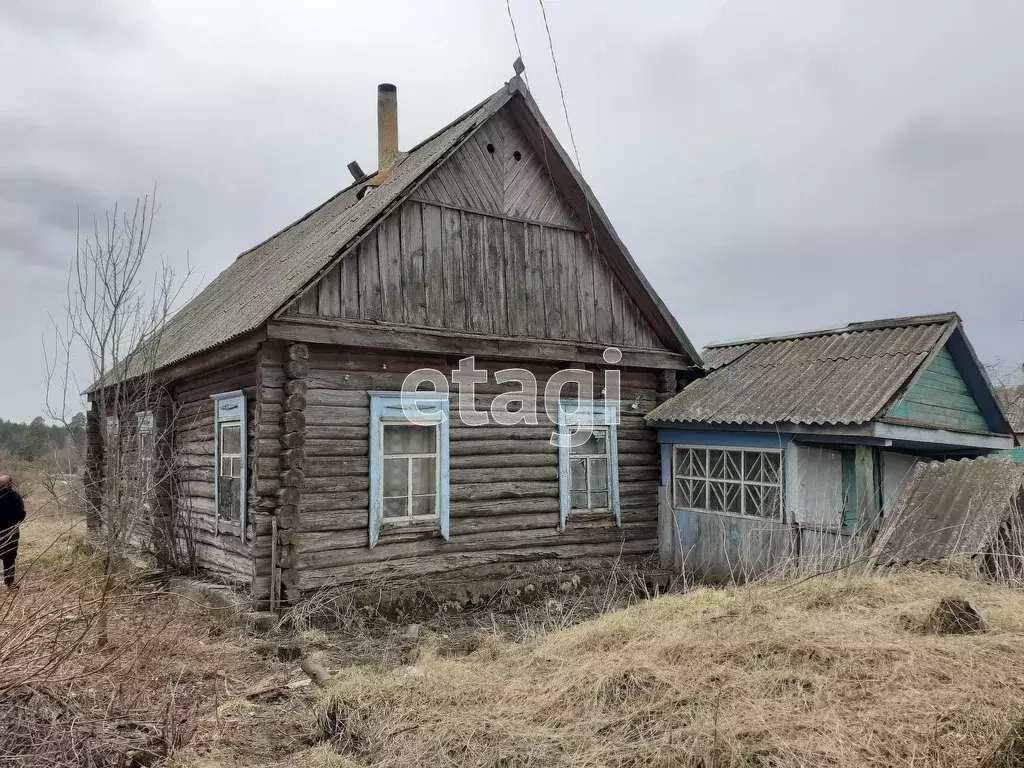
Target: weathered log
296	387
287	516
292	478
293	458
296	369
295	403
288	496
297	352
320	676
294	421
292	439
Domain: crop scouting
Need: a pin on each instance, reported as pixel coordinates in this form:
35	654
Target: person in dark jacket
12	514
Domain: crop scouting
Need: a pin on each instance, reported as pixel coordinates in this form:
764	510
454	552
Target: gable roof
1011	399
266	277
836	376
948	508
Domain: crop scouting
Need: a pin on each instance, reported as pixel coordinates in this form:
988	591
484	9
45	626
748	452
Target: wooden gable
497	172
486	244
941	397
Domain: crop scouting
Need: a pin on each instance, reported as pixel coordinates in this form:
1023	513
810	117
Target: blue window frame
231	451
408	461
588	459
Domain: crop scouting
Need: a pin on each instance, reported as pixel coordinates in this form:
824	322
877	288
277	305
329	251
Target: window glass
409	475
231	439
739	482
229	483
588	471
409	438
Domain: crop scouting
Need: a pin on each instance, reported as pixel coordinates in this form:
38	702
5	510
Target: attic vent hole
517	155
490	148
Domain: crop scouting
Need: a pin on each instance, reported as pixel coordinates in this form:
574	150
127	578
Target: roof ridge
855	327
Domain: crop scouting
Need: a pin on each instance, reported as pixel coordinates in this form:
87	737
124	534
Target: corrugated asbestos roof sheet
1011	400
949	508
839	376
246	294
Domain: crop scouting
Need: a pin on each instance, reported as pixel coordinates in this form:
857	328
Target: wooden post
666	528
292	473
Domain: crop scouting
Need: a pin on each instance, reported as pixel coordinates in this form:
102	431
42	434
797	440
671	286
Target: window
229	501
408	461
739	482
587	459
146	448
589	480
230	469
410	470
113	428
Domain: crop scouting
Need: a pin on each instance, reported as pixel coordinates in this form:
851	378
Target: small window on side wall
147	449
588	460
230	469
408	461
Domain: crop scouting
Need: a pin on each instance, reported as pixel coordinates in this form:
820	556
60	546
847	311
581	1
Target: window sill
411	524
735	515
225	526
591	515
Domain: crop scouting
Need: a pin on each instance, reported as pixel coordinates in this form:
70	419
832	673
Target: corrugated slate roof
1011	400
949	508
843	375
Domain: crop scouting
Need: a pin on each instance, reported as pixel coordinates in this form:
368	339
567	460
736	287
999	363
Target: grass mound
823	673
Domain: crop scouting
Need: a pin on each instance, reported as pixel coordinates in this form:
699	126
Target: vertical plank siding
439	268
504	483
941	398
507	179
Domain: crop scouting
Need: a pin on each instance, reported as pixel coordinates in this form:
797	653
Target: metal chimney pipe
387	125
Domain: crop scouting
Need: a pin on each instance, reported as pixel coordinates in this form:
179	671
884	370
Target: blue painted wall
941	398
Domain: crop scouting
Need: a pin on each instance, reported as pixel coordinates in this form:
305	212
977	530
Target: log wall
504	485
220	548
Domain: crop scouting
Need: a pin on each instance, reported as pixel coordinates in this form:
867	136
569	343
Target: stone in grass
955	617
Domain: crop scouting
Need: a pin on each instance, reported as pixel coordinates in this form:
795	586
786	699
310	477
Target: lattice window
731	480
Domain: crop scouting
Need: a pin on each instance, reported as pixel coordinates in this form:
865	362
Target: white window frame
398	408
231	408
589	459
144	421
742	482
584	413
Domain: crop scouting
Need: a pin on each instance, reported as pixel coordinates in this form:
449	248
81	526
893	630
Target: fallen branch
320	676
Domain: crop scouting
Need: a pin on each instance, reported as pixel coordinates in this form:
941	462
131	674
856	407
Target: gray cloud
927	145
94	21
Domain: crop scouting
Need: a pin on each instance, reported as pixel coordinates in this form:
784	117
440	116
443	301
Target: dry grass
824	672
168	678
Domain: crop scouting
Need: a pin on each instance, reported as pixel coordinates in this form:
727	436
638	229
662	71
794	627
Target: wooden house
299	467
793	447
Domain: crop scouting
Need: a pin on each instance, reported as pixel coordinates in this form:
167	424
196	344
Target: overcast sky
773	166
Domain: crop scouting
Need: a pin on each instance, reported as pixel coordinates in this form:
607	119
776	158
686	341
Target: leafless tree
116	308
